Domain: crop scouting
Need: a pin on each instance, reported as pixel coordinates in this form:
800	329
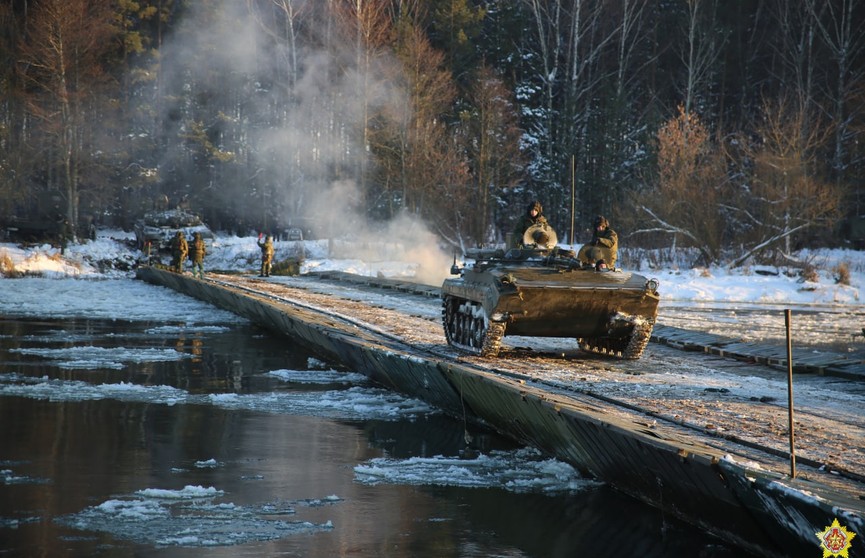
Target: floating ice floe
318	376
522	470
355	403
88	357
190	517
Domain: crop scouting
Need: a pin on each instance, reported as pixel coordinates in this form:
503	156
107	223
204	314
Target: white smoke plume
316	142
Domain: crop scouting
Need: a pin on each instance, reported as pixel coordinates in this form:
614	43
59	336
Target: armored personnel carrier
157	228
539	290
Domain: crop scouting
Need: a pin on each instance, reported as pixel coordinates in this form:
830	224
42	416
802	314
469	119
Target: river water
189	436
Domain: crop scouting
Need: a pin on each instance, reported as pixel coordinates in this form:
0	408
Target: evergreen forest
731	127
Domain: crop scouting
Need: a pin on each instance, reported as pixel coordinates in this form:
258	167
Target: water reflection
160	458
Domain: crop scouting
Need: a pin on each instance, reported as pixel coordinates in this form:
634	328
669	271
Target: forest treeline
730	126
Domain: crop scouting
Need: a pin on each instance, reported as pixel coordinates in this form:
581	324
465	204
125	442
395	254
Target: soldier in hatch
179	251
266	254
534	215
197	251
604	245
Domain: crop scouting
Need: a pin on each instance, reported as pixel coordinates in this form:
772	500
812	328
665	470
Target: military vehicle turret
157	228
539	290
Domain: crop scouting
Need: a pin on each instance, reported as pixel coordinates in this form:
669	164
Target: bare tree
372	24
570	39
701	50
795	48
787	196
61	65
548	26
691	187
11	116
420	136
839	25
490	136
619	130
283	31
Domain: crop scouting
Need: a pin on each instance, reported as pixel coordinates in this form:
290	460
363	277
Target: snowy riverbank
111	255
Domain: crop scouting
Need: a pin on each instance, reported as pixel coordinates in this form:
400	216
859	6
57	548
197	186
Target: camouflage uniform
528	220
604	244
179	251
197	251
266	255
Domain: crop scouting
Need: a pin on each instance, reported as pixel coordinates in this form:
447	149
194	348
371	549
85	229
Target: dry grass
842	273
7	266
810	273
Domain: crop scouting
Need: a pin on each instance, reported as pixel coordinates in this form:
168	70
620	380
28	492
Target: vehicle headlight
652	285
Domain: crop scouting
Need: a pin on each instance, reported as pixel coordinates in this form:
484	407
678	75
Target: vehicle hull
529	293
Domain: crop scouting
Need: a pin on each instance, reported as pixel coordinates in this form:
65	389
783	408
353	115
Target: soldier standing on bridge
197	251
266	254
179	251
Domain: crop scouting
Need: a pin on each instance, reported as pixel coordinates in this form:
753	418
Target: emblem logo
835	540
